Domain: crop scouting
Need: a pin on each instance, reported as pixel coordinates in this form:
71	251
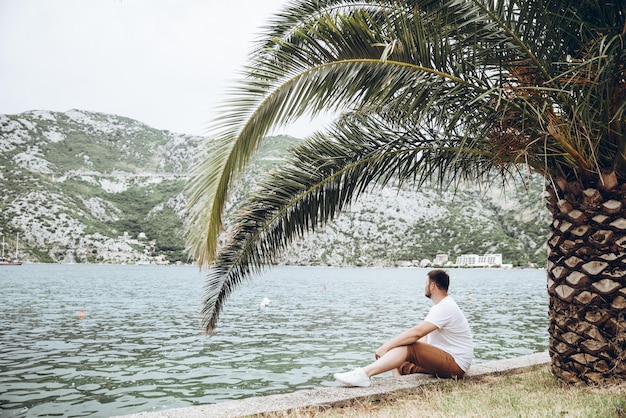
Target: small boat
11	261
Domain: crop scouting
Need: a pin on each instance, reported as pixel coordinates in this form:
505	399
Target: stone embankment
334	396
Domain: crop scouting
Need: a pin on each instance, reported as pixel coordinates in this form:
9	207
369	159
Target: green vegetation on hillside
162	226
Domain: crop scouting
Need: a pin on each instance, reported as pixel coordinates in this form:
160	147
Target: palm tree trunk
586	282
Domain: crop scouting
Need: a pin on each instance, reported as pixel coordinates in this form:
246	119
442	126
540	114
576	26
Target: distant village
464	261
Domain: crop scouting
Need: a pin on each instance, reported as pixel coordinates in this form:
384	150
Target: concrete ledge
334	396
509	365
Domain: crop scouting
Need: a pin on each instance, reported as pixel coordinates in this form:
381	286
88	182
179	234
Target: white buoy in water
265	302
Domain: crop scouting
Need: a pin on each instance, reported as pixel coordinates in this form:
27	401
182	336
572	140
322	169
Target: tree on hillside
443	90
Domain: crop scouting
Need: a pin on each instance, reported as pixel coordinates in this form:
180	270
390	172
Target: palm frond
427	89
321	179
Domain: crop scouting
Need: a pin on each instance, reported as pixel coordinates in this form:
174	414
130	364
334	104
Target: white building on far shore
475	260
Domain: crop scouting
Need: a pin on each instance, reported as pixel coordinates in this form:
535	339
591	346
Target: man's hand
407	337
380	351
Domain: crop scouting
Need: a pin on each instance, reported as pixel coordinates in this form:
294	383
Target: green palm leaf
446	90
322	178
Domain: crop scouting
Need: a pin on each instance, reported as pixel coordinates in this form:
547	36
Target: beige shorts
426	358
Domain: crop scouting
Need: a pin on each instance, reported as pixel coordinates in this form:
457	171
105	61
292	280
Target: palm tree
442	90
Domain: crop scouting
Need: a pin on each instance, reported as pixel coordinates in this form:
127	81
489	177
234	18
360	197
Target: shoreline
335	396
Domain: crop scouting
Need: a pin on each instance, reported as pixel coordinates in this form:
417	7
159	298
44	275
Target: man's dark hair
441	279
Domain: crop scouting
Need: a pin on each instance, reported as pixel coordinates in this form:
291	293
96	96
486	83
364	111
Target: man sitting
440	345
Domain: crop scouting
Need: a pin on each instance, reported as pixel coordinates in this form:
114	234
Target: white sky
166	63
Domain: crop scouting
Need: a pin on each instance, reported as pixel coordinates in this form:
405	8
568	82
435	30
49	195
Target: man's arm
407	337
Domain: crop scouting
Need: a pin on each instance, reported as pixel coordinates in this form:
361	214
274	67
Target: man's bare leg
390	361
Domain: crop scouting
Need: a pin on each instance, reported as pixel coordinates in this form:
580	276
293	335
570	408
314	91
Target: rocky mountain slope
89	187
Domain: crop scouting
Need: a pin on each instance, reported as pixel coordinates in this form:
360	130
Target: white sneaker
356	377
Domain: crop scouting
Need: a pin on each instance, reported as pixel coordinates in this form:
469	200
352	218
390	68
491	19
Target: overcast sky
166	63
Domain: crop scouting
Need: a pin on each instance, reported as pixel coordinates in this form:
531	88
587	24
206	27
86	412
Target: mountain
90	187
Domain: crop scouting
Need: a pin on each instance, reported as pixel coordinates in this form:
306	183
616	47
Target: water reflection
139	348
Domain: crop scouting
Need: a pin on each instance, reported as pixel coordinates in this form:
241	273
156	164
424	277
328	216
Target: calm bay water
139	346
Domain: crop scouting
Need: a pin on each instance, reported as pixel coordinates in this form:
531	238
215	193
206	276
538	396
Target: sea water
138	346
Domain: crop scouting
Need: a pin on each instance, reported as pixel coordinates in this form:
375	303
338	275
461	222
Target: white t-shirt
453	334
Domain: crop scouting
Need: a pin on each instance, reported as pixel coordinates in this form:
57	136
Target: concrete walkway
333	396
